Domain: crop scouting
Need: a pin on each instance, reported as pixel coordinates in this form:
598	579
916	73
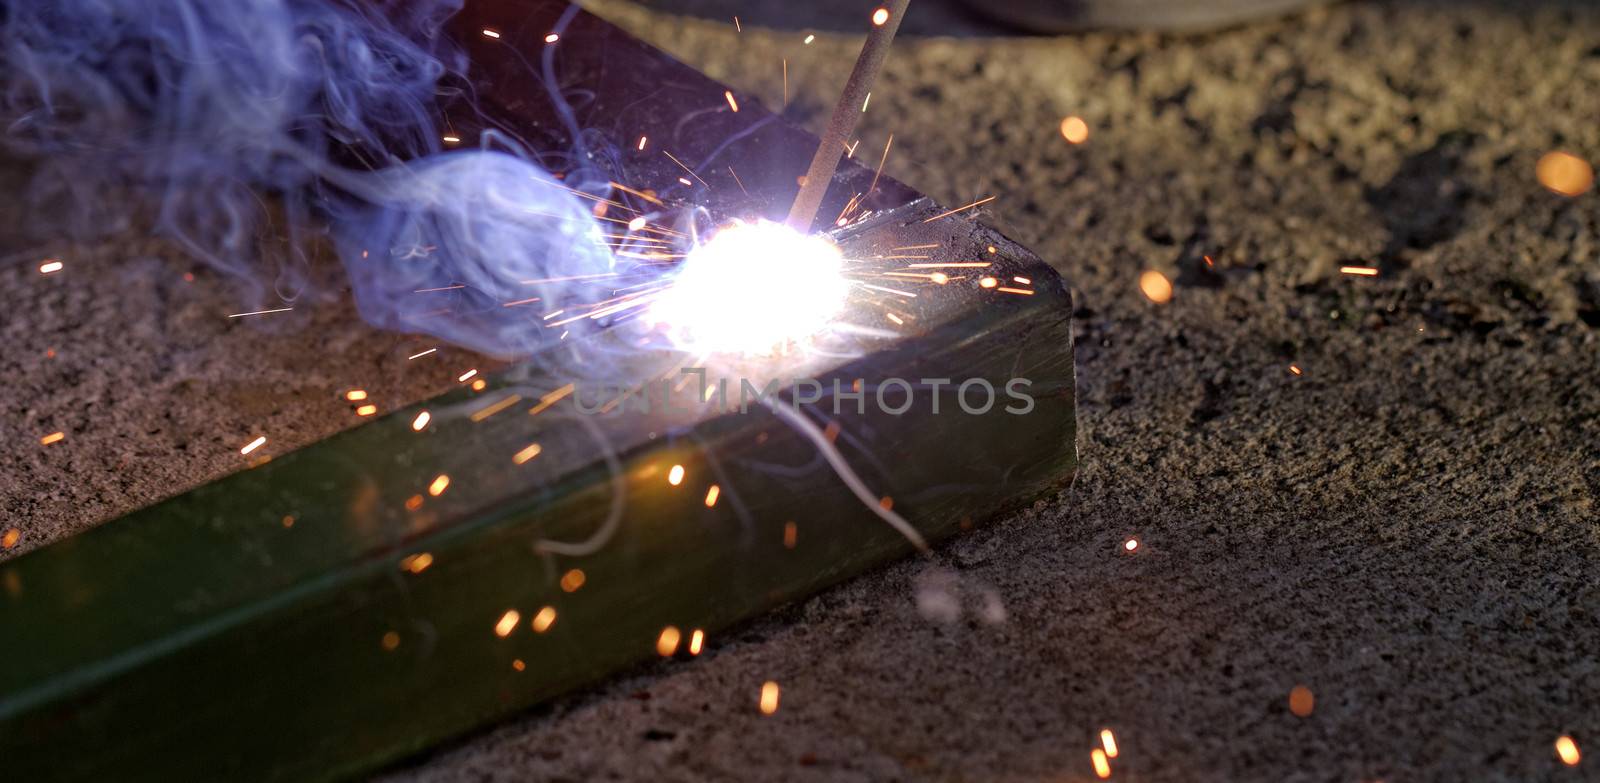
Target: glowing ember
880	16
1359	271
531	451
544	619
439	484
712	494
1131	544
1109	742
552	38
572	580
421	421
769	697
366	410
675	476
717	302
54	437
1156	286
253	445
508	623
14	535
696	641
667	642
1075	130
416	563
1301	701
1568	751
1566	174
355	395
49	267
1102	767
487	33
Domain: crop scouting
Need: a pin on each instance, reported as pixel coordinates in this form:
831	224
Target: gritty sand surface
1409	528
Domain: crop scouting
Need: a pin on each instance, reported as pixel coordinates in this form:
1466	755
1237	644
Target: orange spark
1363	271
391	640
1568	751
769	697
1295	368
544	619
1565	174
414	502
552	38
366	410
49	266
10	538
531	451
1131	544
675	475
1156	286
697	640
642	140
494	407
880	16
712	494
667	642
355	395
508	623
487	33
988	282
1301	701
54	437
1102	767
421	421
253	445
440	483
980	202
731	102
463	377
1109	742
416	563
572	580
791	535
451	139
1074	130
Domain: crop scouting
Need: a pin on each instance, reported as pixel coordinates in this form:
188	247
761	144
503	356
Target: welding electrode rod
837	136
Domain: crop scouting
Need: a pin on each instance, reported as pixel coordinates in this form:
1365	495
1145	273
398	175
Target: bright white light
754	288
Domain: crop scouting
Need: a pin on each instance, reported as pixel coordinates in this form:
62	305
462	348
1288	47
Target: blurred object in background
1056	16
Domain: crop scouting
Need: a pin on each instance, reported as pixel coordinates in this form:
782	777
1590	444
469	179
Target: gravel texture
1408	526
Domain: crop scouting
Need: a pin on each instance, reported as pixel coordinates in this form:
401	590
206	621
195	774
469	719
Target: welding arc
794	418
851	104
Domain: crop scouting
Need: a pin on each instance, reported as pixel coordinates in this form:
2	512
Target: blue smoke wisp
187	113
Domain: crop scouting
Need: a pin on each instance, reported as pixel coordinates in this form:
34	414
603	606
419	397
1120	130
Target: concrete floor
1410	528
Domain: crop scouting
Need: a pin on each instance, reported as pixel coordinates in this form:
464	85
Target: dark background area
1408	528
